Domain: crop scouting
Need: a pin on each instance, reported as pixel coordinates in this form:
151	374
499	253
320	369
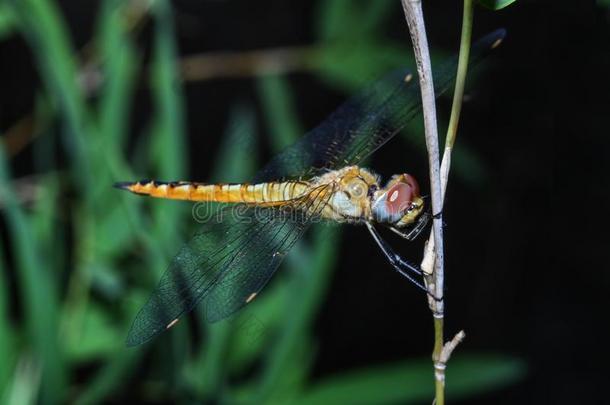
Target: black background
526	274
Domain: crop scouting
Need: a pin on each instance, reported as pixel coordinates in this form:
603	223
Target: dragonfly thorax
350	197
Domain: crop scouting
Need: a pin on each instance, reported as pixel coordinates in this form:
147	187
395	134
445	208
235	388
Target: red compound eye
399	197
410	180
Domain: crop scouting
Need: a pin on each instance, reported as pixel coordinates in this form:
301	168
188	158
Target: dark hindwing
232	257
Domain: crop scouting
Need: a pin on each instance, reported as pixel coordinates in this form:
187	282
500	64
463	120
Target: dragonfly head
399	202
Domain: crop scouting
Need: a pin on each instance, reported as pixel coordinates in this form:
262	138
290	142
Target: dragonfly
319	178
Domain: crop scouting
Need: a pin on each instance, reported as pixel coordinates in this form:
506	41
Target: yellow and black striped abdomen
265	194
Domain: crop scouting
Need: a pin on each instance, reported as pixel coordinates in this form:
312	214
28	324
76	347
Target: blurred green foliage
604	3
496	4
77	295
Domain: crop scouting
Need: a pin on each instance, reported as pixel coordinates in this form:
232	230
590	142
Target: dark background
525	244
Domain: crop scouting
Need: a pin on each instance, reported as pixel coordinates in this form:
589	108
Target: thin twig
415	21
456	107
433	263
435	278
450	346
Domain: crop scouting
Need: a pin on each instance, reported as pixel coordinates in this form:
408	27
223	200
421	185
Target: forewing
229	259
326	146
367	121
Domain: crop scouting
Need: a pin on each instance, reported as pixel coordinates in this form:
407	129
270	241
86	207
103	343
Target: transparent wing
229	259
366	122
226	262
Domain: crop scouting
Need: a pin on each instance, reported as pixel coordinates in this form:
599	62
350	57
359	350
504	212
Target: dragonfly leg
416	230
399	264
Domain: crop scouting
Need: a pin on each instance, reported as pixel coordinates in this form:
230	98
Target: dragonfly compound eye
399	198
399	202
410	180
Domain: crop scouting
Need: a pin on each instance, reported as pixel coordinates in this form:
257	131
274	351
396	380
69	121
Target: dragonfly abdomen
265	194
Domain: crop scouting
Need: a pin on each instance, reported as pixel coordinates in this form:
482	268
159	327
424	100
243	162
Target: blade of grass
340	20
278	109
117	368
169	146
115	373
7	22
168	152
255	328
168	135
25	387
311	272
98	335
119	66
307	290
8	334
43	27
235	162
99	224
496	4
39	293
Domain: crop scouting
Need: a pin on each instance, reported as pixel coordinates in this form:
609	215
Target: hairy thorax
347	193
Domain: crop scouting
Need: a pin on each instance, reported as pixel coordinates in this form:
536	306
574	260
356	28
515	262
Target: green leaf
348	19
167	138
289	384
98	337
25	385
236	158
37	289
256	325
350	66
118	68
8	349
308	284
7	21
224	340
278	107
310	272
114	374
399	383
47	34
495	4
111	234
206	372
118	367
412	382
169	147
473	374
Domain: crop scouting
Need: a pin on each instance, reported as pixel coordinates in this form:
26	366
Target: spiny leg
398	263
422	221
